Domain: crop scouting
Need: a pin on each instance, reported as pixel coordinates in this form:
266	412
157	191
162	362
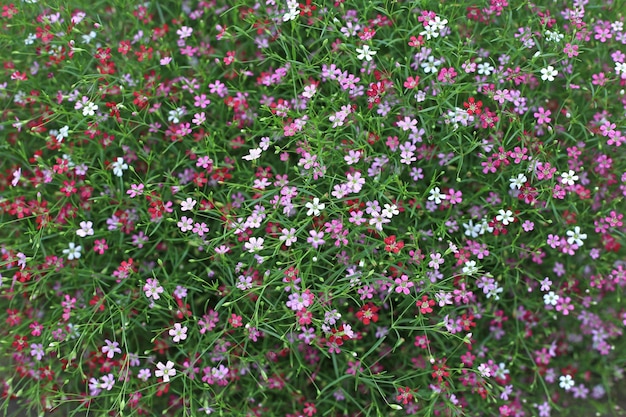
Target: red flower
472	106
368	313
425	305
404	395
391	245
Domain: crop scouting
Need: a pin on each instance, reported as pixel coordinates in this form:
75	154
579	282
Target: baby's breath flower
119	166
548	73
365	53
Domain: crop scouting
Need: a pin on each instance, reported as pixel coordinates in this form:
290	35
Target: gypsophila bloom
365	53
548	73
90	109
255	244
253	154
178	333
566	382
119	166
575	236
188	204
111	348
288	236
569	178
86	229
152	289
550	298
436	195
293	11
518	182
314	207
166	371
73	251
505	216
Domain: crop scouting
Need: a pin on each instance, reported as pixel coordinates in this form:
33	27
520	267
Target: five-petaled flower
178	332
368	313
166	371
365	53
425	305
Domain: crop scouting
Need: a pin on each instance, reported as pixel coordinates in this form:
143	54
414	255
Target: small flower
90	109
185	224
111	348
293	12
550	298
166	371
505	217
316	238
178	333
314	207
518	182
569	178
86	229
253	154
255	244
425	305
188	204
566	382
436	195
365	53
548	73
73	251
119	166
575	236
288	236
152	288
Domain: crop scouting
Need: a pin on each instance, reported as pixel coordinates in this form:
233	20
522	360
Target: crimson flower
368	313
425	305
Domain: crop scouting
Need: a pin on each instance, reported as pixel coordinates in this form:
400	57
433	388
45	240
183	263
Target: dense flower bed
312	209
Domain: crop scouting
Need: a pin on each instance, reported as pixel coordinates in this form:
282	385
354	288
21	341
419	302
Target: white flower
566	382
438	23
90	109
309	91
365	53
293	12
550	298
73	251
484	370
166	371
119	166
518	182
569	177
472	229
430	65
506	217
485	68
188	204
291	15
548	73
430	32
435	195
178	333
554	36
314	207
253	154
86	229
620	68
390	210
470	268
575	236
